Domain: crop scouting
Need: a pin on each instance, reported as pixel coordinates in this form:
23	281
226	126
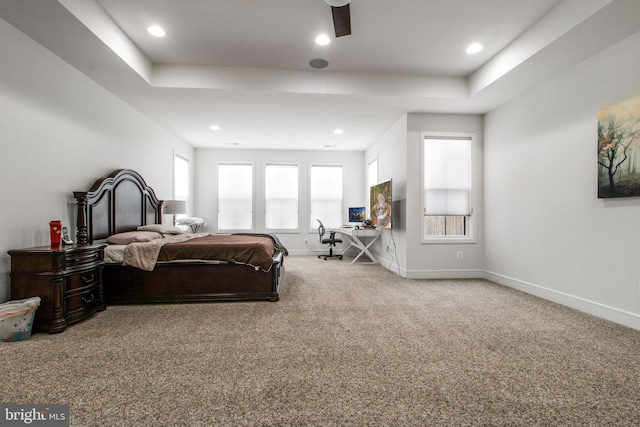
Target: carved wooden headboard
117	203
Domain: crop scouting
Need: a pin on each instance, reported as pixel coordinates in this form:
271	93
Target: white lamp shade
172	207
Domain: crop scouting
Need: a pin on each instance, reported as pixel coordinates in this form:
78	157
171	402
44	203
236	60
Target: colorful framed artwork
619	149
381	206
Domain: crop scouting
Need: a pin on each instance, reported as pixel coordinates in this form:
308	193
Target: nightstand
67	279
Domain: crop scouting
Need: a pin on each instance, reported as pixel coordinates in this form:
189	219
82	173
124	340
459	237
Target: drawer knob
88	300
88	279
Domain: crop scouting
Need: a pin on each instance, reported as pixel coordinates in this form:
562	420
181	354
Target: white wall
439	260
399	158
60	131
206	178
391	151
546	231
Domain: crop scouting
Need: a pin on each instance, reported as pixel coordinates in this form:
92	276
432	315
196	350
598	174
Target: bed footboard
192	282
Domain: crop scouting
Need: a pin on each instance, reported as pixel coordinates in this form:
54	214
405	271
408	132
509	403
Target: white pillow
160	228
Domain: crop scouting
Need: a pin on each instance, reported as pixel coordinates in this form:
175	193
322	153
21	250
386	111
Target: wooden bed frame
123	201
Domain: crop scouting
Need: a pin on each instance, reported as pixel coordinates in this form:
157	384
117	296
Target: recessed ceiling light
156	30
474	48
323	40
232	143
338	131
330	146
214	127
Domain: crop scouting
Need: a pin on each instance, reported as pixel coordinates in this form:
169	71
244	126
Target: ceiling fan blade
341	20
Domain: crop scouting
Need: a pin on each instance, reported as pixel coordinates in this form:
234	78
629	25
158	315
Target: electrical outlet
459	255
306	240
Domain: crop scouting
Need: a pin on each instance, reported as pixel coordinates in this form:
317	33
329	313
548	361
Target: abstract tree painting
619	149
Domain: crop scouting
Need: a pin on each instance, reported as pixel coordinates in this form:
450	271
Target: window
447	161
235	196
372	179
326	196
372	173
181	181
180	178
281	197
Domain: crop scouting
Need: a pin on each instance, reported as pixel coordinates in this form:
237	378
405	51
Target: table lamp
174	207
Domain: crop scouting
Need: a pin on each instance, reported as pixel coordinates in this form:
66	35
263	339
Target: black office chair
331	241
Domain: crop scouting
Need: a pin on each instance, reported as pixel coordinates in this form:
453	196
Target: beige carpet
346	345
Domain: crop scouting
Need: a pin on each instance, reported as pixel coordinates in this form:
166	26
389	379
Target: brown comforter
254	250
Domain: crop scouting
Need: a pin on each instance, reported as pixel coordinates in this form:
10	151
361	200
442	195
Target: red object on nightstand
55	227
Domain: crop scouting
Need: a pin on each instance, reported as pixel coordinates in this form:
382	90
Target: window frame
278	230
253	195
471	222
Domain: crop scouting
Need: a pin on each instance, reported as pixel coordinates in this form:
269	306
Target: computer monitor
357	214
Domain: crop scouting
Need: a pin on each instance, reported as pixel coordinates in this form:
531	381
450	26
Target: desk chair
331	241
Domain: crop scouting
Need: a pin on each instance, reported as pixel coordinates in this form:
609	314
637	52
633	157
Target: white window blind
326	196
447	176
235	196
281	197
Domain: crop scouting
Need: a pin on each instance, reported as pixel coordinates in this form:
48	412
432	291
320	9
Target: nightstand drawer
81	259
82	301
82	280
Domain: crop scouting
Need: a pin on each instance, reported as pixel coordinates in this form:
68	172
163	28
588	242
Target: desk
354	235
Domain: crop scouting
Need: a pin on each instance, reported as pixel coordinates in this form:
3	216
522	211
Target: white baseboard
603	311
392	266
445	274
322	250
305	252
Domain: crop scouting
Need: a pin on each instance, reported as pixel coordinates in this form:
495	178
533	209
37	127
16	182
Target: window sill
448	240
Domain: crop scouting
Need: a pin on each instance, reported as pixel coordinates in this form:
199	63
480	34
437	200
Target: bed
121	203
